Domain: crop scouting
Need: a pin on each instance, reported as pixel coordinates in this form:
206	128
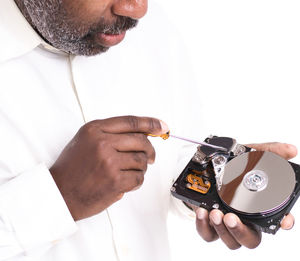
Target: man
73	186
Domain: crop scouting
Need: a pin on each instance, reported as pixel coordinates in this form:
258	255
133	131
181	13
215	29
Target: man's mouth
108	40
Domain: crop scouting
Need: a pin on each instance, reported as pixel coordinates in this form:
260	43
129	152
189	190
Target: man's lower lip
109	40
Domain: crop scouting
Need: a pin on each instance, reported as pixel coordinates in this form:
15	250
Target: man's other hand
213	225
105	159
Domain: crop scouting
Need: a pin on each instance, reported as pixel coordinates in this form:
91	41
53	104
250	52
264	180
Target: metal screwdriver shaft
167	135
198	142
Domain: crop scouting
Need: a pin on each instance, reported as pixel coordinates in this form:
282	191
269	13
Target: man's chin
93	52
86	50
87	46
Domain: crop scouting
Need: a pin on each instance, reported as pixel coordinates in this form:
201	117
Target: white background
246	58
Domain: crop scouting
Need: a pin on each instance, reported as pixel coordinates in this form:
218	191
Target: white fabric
39	113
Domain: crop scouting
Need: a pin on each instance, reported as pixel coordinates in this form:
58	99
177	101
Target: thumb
286	151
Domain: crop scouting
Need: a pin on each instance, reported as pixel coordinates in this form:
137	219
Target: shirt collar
17	35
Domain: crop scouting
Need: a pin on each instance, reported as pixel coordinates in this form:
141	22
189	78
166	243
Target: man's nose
134	9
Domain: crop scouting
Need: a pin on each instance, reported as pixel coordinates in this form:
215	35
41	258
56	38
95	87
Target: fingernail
292	148
164	127
216	218
201	213
287	224
150	161
231	221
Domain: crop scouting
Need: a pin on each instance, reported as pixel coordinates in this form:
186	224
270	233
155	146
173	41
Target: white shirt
45	97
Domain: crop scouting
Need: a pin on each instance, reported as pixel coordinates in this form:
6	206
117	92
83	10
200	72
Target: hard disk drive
260	187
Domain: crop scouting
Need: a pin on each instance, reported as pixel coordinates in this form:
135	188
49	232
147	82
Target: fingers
131	179
233	232
284	150
133	142
133	167
228	228
131	124
229	240
133	161
288	222
205	230
243	234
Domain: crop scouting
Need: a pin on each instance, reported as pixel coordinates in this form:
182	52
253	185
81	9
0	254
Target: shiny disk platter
260	187
257	183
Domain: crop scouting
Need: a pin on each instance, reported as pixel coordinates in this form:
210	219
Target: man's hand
229	228
105	159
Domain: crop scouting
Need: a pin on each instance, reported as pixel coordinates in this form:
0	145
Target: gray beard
51	21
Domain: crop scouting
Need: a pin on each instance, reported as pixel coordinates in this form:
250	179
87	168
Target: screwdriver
167	135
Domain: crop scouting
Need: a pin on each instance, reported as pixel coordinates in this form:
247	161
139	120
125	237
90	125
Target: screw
272	227
240	150
219	160
216	206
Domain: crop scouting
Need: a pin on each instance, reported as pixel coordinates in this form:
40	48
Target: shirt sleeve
33	214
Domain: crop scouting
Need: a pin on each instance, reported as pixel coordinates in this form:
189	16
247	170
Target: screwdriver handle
164	136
